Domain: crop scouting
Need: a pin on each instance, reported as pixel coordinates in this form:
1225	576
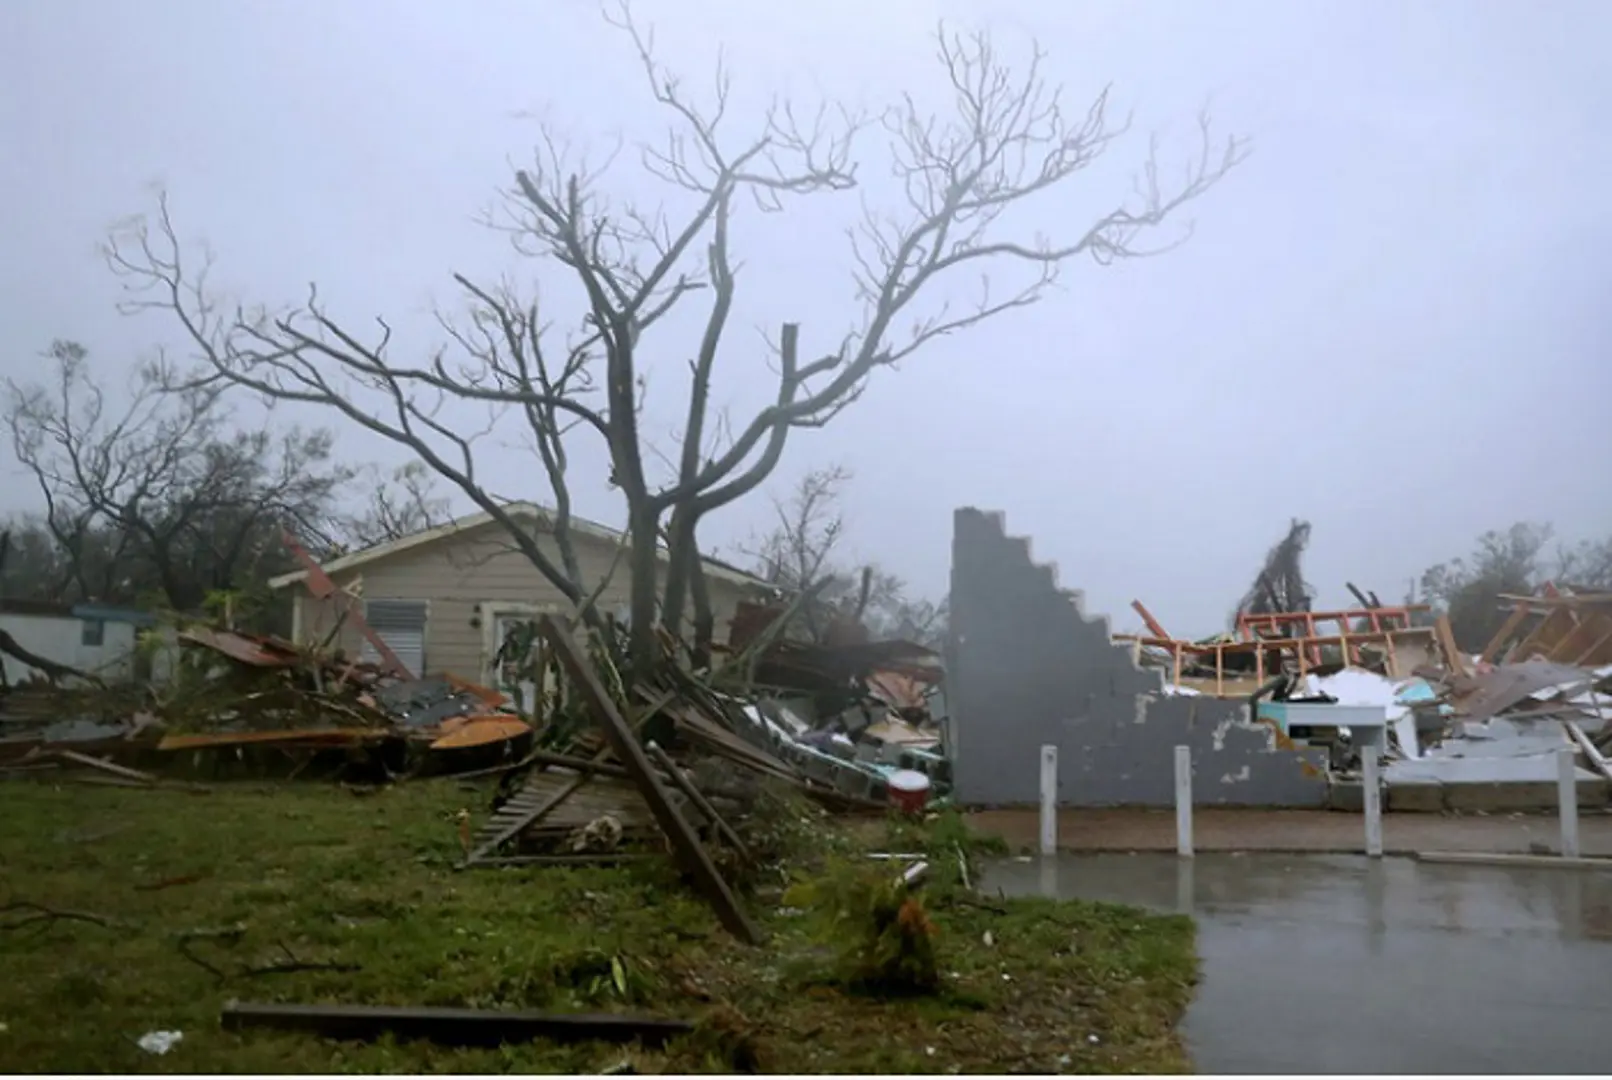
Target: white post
1183	801
1049	800
1567	800
1372	794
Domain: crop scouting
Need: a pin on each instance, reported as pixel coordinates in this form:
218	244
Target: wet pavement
1341	964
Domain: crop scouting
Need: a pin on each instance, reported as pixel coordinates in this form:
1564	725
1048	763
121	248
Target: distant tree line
802	555
169	499
1519	560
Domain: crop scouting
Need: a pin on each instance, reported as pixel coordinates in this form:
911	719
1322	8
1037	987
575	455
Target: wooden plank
105	766
1518	616
1445	635
691	854
697	797
1560	600
1537	641
451	1027
1572	643
1152	624
1588	654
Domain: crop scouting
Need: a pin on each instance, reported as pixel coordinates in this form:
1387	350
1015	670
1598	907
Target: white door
401	624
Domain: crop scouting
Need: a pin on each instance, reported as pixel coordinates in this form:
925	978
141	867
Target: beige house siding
463	579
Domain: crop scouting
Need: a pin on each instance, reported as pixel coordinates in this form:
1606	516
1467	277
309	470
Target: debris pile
1438	716
234	691
599	770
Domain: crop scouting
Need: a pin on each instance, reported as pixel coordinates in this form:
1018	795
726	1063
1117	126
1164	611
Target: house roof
57	610
580	526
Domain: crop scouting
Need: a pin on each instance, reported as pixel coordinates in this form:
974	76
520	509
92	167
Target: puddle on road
1324	964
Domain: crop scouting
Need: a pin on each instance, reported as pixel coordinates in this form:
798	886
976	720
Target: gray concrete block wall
1027	667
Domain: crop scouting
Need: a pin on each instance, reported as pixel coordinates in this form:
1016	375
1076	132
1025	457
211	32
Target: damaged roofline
714	567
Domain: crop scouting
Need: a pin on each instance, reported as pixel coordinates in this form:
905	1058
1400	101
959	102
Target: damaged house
1278	710
445	599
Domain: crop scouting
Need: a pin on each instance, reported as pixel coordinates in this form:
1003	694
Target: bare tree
1007	140
399	504
146	489
801	554
795	555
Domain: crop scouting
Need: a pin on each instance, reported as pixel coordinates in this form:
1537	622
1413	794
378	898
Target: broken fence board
695	860
450	1027
503	829
105	766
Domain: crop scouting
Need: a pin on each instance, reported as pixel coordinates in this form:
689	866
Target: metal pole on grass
1049	800
1183	801
1372	800
1567	800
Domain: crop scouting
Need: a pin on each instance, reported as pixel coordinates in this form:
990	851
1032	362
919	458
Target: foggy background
1390	320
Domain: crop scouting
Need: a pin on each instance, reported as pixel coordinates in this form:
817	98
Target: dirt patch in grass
205	898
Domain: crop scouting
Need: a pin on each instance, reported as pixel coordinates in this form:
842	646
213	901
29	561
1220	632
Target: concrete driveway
1340	964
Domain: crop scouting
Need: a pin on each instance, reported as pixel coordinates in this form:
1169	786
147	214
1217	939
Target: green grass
320	874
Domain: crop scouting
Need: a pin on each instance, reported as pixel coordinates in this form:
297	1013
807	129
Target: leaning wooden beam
1539	640
1444	634
1573	643
1514	621
1588	655
318	583
701	803
451	1027
685	844
1152	624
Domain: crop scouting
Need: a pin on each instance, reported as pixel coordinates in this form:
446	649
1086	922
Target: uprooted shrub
885	938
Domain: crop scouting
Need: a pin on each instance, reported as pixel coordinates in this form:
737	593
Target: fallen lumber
450	1027
686	846
106	766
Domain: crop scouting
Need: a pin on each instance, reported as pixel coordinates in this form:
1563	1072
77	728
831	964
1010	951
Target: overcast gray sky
1391	319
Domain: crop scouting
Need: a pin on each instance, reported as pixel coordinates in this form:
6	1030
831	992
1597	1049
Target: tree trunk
642	649
704	619
683	558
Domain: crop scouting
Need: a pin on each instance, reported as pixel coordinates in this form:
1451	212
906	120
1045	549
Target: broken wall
1026	667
